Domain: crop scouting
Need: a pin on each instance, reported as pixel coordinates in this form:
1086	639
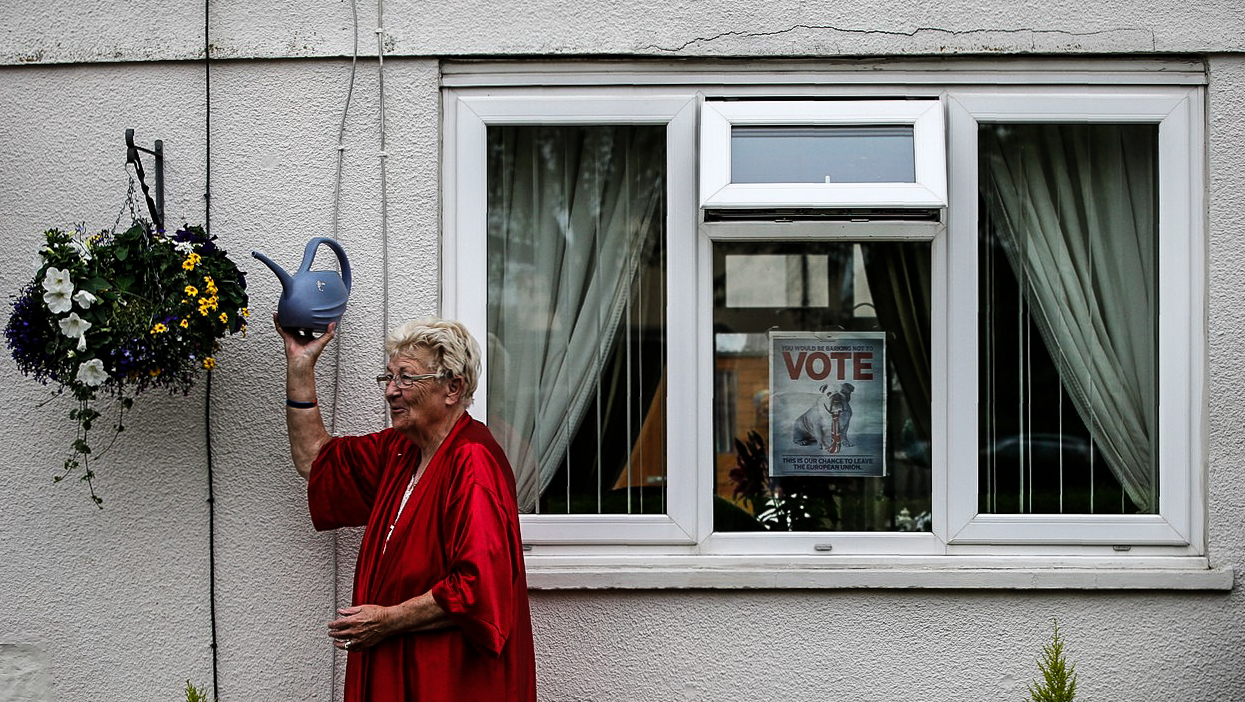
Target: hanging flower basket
120	313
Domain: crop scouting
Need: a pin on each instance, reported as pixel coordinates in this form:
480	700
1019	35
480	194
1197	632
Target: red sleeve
478	593
344	479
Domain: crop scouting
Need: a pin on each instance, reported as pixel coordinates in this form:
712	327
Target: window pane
823	154
777	281
576	323
1068	324
838	290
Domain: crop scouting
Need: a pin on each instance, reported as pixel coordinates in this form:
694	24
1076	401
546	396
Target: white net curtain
1075	207
573	216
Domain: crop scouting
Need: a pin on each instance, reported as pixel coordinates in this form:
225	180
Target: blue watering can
311	300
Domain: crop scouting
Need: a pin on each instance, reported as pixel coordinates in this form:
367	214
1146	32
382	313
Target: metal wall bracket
155	207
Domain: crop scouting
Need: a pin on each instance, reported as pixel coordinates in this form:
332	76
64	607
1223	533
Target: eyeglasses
402	380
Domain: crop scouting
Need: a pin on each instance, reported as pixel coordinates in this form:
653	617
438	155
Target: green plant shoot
1059	677
195	694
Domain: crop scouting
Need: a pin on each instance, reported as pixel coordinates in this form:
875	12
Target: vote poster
827	403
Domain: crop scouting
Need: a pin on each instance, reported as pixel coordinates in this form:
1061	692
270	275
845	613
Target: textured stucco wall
71	30
827	645
112	604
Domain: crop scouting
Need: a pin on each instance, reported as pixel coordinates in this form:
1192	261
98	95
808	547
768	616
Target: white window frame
467	116
1181	278
929	188
838	543
964	549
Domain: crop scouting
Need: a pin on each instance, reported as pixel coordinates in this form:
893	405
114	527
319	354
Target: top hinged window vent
832	155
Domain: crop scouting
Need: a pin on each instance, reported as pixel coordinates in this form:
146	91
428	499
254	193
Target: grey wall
68	31
112	604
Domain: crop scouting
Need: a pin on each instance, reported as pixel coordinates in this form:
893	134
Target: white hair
455	353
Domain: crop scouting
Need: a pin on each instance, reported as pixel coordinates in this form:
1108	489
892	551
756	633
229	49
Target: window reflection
817	287
823	154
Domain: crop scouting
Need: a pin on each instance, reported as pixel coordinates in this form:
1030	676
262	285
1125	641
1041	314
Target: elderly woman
440	596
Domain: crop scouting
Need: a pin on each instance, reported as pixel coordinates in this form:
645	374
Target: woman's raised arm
302	412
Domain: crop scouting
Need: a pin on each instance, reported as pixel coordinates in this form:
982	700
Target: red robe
459	538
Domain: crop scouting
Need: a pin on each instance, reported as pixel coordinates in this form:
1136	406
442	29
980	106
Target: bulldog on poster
827	403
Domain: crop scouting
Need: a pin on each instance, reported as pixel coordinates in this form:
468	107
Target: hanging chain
130	197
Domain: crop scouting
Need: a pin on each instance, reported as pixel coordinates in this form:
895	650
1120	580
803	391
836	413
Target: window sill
976	573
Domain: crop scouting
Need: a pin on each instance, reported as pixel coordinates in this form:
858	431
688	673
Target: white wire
384	223
341	129
337	194
384	181
337	355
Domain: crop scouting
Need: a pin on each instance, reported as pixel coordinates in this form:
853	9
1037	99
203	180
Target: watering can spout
281	274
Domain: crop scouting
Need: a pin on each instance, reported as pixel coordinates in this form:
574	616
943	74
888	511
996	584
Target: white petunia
82	342
57	280
58	301
184	247
92	373
84	299
59	286
37	262
74	326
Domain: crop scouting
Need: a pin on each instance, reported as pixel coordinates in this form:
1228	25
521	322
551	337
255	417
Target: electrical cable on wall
335	231
341	148
207	401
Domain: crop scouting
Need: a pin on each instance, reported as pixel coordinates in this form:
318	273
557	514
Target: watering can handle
310	253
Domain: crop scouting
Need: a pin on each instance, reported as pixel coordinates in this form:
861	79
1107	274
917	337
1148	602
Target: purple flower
196	235
26	333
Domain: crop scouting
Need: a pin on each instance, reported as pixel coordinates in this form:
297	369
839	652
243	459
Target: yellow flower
209	363
224	318
209	285
245	312
191	261
243	330
191	291
159	328
185	323
207	304
155	372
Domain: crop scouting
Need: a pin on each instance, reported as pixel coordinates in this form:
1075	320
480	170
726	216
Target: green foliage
195	694
786	504
1059	677
118	313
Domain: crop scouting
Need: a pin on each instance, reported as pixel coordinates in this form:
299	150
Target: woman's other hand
361	627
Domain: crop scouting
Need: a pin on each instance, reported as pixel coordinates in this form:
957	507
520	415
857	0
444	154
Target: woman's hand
303	350
361	627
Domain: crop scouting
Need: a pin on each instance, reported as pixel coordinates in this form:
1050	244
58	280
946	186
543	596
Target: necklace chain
410	487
